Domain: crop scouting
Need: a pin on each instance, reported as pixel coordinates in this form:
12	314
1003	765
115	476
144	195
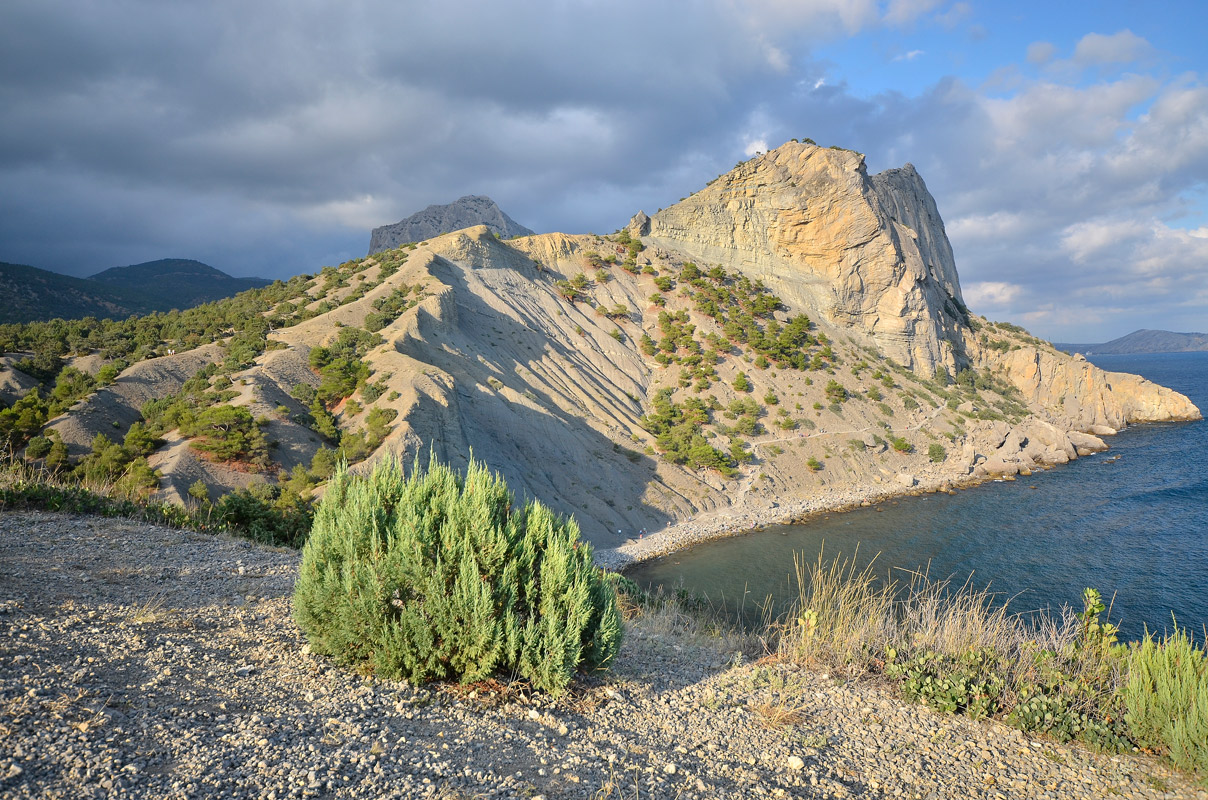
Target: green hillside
33	295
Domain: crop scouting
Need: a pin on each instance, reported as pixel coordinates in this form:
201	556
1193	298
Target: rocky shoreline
751	518
145	662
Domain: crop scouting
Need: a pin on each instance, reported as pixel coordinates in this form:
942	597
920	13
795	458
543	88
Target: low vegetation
435	576
958	650
250	513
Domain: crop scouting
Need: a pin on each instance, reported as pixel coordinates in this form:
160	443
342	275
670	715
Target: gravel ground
139	661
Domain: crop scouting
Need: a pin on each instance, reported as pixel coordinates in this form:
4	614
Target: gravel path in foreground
139	661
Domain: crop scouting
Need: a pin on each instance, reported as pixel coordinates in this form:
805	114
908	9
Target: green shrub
435	576
255	515
835	391
38	447
1167	699
970	683
936	452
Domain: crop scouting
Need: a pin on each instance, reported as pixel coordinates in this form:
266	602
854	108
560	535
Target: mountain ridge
712	374
37	294
1144	341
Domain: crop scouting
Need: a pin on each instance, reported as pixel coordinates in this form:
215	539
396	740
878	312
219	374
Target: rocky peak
639	225
868	254
437	219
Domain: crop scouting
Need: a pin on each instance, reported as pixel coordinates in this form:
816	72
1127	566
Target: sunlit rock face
867	253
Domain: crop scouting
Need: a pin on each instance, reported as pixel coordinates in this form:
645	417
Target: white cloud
1123	47
755	146
901	12
996	295
1041	52
1094	238
910	56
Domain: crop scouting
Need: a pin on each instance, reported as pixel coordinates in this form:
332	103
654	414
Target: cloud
991	294
955	15
910	56
755	147
1041	52
269	137
1124	47
900	12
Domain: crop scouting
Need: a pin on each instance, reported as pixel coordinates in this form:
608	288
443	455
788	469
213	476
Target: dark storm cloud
124	121
268	138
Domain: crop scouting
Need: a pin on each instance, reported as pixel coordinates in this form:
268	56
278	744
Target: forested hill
32	294
188	283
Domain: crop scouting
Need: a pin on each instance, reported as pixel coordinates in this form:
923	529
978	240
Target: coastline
739	520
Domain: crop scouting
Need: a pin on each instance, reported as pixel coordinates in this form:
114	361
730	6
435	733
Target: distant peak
467	211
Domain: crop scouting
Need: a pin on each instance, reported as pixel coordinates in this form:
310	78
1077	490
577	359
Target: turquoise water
1132	521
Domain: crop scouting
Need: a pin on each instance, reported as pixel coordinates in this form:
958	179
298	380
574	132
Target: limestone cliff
1084	397
866	254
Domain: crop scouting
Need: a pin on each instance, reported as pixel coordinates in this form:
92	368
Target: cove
1131	522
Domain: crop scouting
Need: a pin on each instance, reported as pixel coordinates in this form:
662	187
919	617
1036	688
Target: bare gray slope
112	409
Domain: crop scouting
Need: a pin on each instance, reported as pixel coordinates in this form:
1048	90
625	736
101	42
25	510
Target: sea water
1131	522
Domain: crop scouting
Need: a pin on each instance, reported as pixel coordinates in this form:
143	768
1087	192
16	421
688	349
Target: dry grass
850	621
662	614
777	716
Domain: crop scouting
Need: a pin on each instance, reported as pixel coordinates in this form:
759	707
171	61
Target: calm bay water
1132	521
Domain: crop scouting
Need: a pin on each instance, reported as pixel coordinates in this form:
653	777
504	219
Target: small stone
669	769
795	763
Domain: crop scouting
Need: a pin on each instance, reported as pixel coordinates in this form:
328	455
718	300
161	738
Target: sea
1131	522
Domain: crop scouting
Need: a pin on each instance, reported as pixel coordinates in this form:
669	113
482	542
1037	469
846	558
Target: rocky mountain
1144	341
434	220
37	294
792	337
867	254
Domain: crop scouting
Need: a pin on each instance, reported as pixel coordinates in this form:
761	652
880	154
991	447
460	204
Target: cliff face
1085	397
866	254
435	220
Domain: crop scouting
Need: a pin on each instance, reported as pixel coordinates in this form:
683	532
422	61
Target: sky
1066	143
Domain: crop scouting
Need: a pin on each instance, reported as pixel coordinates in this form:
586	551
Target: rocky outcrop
434	220
868	255
997	448
905	196
1086	398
